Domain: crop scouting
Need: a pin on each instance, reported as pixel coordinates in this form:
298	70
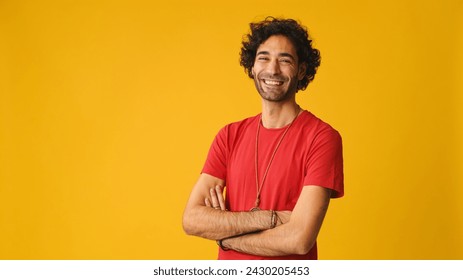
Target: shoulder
315	127
236	128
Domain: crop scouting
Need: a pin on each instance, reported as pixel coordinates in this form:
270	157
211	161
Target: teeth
273	83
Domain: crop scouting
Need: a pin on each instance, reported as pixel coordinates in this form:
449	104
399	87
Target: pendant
256	204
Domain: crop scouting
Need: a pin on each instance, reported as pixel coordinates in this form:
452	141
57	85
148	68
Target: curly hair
295	32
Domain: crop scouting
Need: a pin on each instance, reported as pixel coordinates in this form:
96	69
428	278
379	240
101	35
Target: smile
272	82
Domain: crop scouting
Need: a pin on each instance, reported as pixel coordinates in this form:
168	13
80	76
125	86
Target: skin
276	73
211	220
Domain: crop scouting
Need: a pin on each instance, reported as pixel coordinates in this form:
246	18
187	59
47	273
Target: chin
275	98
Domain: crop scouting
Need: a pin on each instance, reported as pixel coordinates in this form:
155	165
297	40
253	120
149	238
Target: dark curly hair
295	32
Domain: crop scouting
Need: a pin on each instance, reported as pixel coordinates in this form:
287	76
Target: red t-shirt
309	154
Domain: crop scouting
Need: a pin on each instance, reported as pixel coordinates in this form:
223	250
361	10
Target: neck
279	114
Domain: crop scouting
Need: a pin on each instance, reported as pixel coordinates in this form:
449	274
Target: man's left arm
294	237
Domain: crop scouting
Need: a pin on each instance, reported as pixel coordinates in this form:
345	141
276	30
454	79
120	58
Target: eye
286	61
262	58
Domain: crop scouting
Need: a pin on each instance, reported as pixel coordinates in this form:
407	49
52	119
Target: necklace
259	187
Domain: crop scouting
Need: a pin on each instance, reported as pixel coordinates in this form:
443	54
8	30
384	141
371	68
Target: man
278	169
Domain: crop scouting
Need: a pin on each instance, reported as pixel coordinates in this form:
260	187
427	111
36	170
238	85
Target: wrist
273	219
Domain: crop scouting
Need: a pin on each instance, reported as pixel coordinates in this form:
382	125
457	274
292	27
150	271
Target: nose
274	67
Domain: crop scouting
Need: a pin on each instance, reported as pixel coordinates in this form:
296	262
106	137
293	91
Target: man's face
276	69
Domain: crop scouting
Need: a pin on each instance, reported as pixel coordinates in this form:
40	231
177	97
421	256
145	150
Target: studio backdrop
108	109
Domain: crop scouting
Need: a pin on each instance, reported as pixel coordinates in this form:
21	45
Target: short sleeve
216	162
324	165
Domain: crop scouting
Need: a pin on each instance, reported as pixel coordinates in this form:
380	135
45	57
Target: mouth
272	82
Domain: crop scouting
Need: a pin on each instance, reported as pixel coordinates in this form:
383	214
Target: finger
208	203
218	190
215	202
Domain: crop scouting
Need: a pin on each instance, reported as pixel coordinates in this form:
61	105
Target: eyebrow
280	54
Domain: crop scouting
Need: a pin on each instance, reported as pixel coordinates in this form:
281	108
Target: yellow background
108	108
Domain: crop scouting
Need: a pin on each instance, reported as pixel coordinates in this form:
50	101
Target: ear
301	72
252	72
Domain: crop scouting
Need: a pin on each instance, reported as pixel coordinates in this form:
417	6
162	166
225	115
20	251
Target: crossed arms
251	232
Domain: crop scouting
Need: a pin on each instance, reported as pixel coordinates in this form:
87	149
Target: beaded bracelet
273	219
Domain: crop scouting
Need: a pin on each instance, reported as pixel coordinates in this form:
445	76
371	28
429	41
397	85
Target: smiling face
276	69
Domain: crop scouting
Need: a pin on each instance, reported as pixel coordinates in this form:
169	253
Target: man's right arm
205	221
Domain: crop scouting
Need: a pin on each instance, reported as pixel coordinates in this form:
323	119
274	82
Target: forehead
277	44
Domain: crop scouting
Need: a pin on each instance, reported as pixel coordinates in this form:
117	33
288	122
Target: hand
216	199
